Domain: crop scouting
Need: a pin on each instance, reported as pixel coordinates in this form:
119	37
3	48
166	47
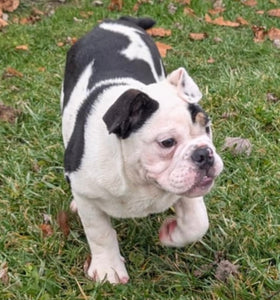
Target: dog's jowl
136	141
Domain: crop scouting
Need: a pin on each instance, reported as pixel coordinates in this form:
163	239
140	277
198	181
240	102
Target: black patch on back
129	113
104	47
75	147
194	110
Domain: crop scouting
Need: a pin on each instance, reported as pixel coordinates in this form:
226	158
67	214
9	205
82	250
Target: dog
136	141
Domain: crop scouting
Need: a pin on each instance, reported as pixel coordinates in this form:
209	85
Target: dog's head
166	136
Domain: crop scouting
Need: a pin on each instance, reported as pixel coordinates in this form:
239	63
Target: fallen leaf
228	115
238	145
9	5
260	12
198	36
62	220
250	2
46	230
184	2
163	48
157	31
211	60
71	40
216	11
37	12
97	3
272	98
274	12
218	4
115	5
217	39
4	276
86	14
273	34
11	72
60	44
189	12
3	23
276	43
171	8
241	21
22	47
225	269
220	21
259	33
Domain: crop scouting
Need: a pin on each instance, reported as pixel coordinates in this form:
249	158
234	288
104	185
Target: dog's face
172	148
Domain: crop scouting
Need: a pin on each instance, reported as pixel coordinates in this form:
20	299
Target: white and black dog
136	141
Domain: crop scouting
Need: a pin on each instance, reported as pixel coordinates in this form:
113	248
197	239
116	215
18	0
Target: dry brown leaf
163	48
8	114
115	5
46	230
242	21
272	97
273	34
259	33
22	47
86	14
238	145
158	31
274	12
260	12
220	21
216	11
3	23
60	44
62	220
250	2
211	60
4	276
9	5
11	72
189	12
198	36
225	269
184	2
37	12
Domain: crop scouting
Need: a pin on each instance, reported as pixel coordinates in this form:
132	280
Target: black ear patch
129	113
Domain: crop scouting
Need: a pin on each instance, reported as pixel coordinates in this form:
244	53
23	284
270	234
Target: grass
243	207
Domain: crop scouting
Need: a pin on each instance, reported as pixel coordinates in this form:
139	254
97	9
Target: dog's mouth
202	186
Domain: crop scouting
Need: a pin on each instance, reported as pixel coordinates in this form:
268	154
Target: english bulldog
136	141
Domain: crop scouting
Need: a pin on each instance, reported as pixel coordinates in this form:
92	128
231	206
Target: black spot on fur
75	147
194	110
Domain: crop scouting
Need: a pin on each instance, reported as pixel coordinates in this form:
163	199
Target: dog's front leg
106	262
189	225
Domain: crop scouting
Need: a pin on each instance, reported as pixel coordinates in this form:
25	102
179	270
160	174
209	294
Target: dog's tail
144	23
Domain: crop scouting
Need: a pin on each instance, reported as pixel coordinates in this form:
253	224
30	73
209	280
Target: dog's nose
203	157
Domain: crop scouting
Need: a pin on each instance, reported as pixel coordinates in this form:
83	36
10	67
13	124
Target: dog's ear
186	87
129	113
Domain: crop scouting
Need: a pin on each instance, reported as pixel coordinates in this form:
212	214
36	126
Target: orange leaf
274	12
115	5
216	11
162	48
46	229
220	21
259	33
241	21
3	23
11	72
22	47
189	12
250	2
198	36
260	12
157	31
62	220
9	5
274	34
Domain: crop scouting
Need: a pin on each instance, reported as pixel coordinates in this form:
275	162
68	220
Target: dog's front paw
174	233
103	268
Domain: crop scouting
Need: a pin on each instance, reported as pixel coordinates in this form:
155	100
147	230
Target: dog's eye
168	143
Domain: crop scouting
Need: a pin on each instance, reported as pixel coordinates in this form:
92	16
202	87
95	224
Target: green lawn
243	207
